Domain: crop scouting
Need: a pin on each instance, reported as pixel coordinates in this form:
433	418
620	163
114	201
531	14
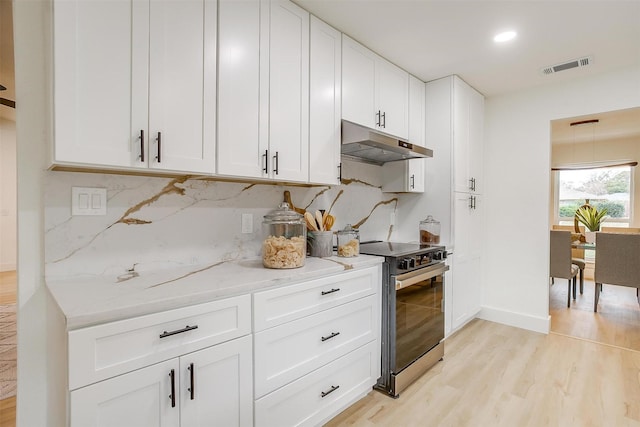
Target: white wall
517	176
8	211
41	395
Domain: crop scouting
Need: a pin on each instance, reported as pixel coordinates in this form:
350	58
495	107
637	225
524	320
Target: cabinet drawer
306	402
277	306
289	351
103	351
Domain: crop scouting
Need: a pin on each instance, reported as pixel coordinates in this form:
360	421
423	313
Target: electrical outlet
247	223
88	201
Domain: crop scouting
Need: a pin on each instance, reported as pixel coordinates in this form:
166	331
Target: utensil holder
320	243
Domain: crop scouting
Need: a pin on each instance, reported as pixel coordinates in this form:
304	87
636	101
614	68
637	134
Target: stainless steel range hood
370	146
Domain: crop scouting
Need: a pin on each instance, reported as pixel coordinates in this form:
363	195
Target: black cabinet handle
265	156
329	292
141	138
384	120
172	396
275	169
191	388
159	139
378	118
179	331
333	335
326	393
340	173
413	182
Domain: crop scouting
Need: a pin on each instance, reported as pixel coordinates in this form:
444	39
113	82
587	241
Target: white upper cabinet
263	100
375	93
135	84
324	103
288	91
417	111
468	128
239	145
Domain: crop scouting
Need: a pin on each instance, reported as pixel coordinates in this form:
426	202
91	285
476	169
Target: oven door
419	314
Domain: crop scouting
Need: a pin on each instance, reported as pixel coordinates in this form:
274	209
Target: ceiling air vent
581	62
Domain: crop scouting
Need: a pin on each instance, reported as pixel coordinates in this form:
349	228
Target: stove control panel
413	262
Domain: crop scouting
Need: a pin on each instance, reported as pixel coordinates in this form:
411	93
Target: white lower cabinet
210	385
322	358
314	350
192	366
320	395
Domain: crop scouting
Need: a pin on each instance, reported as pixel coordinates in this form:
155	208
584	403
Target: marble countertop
90	300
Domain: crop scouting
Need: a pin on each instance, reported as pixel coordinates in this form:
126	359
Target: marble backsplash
155	223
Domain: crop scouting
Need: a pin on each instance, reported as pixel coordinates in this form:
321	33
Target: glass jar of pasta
348	241
285	238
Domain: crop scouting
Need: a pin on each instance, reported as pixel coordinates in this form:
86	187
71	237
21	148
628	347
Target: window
604	188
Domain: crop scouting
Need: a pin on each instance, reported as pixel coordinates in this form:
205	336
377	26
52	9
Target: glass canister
285	238
348	241
429	231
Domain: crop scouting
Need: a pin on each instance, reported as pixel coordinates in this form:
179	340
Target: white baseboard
519	320
7	267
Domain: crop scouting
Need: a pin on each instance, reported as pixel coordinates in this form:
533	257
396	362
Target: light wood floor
617	321
8	292
496	375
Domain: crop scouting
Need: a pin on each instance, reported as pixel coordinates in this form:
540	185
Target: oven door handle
417	276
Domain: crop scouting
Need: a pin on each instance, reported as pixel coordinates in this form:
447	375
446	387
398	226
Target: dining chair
577	255
617	262
560	264
626	230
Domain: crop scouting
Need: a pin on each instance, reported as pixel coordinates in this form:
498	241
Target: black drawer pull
326	393
330	292
179	331
333	335
191	389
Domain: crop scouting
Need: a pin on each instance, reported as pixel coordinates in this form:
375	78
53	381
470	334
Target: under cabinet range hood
367	145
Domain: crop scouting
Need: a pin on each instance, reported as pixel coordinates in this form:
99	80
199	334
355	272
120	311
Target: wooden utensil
311	222
328	222
319	219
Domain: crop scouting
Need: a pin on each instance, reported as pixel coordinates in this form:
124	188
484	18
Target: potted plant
591	219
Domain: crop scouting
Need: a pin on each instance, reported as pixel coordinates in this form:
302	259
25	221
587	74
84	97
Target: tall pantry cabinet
135	84
455	117
263	100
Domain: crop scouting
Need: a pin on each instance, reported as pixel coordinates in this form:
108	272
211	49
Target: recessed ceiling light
505	36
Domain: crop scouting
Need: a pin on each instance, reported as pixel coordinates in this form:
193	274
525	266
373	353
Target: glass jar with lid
348	241
429	231
285	238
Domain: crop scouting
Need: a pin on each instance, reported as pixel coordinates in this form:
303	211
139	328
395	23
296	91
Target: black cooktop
396	249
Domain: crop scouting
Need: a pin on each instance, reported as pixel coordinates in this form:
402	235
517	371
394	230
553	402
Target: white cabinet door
468	135
476	139
101	86
216	386
289	91
461	120
182	82
140	398
240	144
375	93
404	176
324	103
358	83
392	98
263	100
417	111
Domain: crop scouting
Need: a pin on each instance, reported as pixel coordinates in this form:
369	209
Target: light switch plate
247	223
88	201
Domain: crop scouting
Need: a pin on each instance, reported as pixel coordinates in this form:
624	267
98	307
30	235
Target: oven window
419	320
